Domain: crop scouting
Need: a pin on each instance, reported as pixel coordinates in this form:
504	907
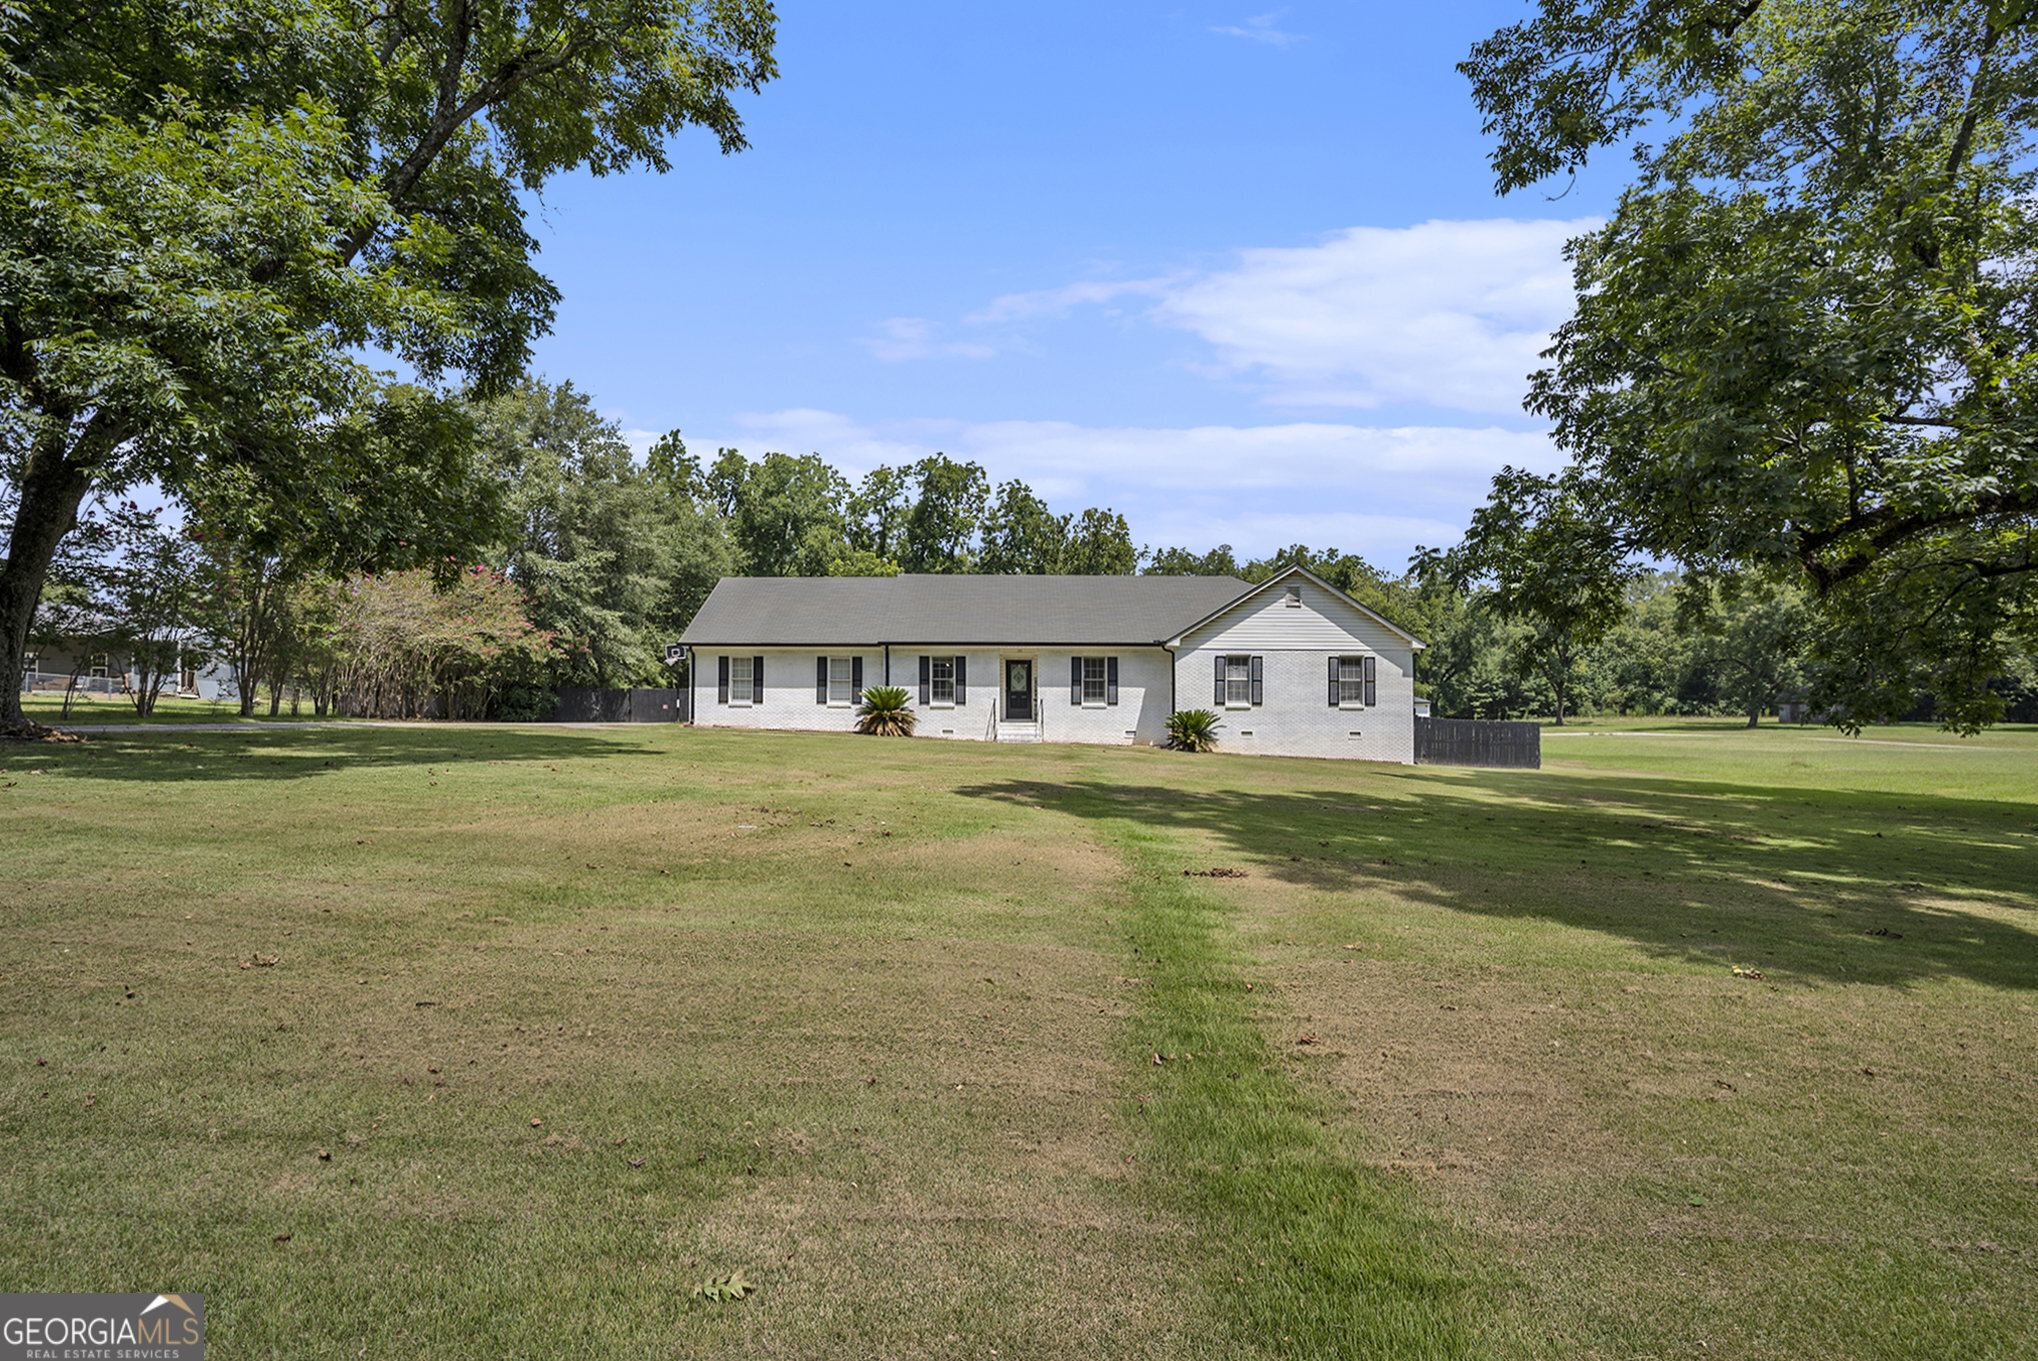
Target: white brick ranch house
1292	666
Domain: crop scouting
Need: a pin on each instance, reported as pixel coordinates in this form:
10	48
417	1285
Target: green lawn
47	707
479	1042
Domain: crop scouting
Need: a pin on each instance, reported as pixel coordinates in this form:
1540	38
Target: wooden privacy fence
1476	742
622	706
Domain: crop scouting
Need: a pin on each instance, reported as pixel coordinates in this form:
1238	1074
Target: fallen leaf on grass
716	1289
1740	972
535	1122
636	1162
281	1238
1305	1039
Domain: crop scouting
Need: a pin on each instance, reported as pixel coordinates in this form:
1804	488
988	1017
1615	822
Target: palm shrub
885	713
1193	730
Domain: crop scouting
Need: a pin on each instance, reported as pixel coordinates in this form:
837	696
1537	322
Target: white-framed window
841	686
742	679
101	666
1351	682
1294	595
1095	690
1238	682
941	680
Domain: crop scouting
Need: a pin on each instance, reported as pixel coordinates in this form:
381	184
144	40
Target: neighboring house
1293	666
95	666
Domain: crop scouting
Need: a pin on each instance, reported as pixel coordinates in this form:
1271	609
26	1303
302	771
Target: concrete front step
1018	732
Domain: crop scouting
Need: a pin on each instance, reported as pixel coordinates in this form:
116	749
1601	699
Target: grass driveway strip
1324	1256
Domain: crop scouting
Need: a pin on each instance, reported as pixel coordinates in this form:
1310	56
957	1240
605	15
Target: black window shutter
820	680
961	681
1220	680
1110	680
757	680
856	680
1075	680
1370	664
721	680
1257	692
926	680
1333	680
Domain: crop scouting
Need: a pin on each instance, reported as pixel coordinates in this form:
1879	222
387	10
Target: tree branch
521	69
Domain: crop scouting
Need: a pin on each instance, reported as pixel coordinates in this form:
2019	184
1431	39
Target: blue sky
1237	272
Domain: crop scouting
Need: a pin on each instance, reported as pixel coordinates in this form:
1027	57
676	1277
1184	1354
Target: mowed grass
940	1044
94	711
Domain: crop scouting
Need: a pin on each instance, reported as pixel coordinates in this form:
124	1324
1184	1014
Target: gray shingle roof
846	611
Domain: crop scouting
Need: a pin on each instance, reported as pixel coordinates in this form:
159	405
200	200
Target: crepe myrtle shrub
1193	730
885	712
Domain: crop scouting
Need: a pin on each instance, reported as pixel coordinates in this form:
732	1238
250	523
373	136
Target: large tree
1552	565
599	545
941	528
784	513
1805	342
1022	537
208	210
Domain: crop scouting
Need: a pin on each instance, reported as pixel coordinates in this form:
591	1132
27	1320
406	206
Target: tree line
591	560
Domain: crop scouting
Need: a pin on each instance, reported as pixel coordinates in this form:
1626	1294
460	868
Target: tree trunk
52	489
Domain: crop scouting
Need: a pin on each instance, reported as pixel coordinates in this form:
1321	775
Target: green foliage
1803	345
673	469
941	528
1348	572
876	513
785	514
1752	635
146	593
1180	562
861	562
721	1289
1022	537
1100	544
207	213
525	704
1193	730
407	646
1554	566
886	711
614	558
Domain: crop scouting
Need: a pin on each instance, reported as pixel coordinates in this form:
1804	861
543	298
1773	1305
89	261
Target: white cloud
1448	314
900	338
1375	490
1054	302
1261	28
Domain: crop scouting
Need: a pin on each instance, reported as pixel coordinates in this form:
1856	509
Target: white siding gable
1266	622
1295	644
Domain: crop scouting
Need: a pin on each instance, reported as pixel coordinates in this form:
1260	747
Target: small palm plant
884	712
1193	730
